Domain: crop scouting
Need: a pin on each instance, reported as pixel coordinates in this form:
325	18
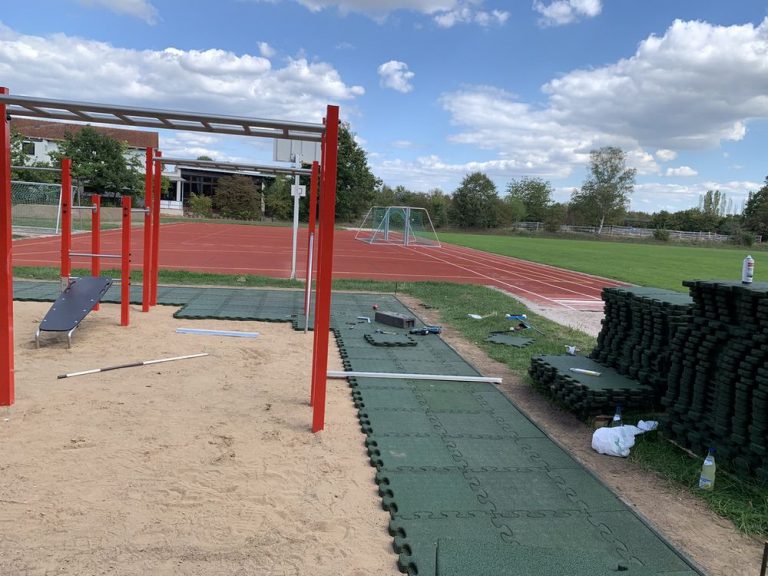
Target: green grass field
660	265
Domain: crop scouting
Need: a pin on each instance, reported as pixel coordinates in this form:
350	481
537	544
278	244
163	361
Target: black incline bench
73	305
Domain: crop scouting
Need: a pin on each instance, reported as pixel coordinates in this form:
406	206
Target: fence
632	232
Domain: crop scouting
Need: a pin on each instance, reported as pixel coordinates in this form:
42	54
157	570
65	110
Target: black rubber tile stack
718	379
586	394
638	326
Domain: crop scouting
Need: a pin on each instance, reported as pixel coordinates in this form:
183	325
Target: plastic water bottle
707	478
747	270
617	418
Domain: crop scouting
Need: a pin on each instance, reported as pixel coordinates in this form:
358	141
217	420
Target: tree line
102	164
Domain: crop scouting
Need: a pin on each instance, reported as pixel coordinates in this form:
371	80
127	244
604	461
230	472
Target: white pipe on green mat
391	375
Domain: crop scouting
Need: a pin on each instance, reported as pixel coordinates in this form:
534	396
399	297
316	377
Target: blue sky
433	89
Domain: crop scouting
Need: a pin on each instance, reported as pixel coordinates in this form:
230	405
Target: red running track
266	251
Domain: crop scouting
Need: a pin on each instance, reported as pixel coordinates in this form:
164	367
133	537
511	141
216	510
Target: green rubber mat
509	340
456	462
504	559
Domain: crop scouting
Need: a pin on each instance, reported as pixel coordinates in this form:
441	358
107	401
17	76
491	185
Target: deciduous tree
101	163
355	183
604	196
535	195
237	197
475	203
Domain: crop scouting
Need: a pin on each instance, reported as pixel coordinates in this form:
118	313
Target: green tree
475	203
604	196
756	211
555	216
439	204
237	197
513	211
101	163
355	183
278	200
205	158
534	193
713	203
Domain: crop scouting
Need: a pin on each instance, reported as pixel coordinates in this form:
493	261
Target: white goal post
399	225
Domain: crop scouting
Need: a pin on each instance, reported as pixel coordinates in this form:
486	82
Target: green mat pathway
471	484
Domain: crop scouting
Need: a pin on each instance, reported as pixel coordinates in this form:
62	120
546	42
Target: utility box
395	319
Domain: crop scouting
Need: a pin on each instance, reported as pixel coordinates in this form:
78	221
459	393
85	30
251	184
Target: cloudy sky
433	89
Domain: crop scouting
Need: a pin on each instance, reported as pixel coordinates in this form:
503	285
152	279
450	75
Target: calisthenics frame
50	109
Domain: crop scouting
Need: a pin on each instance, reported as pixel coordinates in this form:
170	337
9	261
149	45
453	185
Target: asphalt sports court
266	251
471	484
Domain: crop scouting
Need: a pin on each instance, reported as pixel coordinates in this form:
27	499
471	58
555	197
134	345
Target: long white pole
352	374
131	365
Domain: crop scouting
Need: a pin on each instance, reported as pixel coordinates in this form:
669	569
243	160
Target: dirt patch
197	467
709	540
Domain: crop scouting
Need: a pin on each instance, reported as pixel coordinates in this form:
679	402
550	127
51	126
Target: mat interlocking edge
456	462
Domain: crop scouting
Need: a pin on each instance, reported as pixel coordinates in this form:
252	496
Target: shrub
661	234
742	238
237	197
201	206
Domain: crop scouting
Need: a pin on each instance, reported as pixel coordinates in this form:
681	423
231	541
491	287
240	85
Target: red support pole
7	384
325	265
146	287
125	273
318	250
66	221
158	177
96	238
311	228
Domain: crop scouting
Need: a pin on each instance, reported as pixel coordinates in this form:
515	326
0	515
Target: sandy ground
204	466
713	543
207	466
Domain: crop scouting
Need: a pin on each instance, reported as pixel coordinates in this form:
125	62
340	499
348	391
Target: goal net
402	225
36	209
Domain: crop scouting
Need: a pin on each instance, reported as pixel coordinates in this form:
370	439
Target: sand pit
202	466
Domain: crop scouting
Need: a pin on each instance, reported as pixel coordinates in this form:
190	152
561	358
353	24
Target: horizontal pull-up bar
390	375
90	255
28	106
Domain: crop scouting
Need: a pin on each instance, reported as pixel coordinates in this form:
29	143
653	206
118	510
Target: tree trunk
602	221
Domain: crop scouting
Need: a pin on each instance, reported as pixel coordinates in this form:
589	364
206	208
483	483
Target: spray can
747	270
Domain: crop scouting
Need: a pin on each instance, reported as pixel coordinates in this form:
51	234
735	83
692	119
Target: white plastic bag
614	441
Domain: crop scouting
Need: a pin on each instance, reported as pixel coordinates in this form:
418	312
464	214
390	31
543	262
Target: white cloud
692	88
395	74
682	171
214	81
266	50
467	14
137	8
446	13
561	12
666	155
402	144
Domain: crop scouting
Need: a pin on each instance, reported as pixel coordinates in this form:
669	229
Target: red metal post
7	383
158	177
311	228
325	265
125	273
318	250
146	287
66	221
96	238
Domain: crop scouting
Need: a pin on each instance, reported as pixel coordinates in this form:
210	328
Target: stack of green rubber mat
637	328
586	394
718	377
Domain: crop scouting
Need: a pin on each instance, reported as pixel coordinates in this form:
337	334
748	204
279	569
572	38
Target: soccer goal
402	225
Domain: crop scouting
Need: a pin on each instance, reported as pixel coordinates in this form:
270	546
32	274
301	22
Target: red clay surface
266	251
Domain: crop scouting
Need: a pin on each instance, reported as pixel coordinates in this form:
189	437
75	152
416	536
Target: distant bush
742	238
237	197
661	234
201	205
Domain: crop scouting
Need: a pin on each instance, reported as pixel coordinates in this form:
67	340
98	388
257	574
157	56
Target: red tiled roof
32	128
